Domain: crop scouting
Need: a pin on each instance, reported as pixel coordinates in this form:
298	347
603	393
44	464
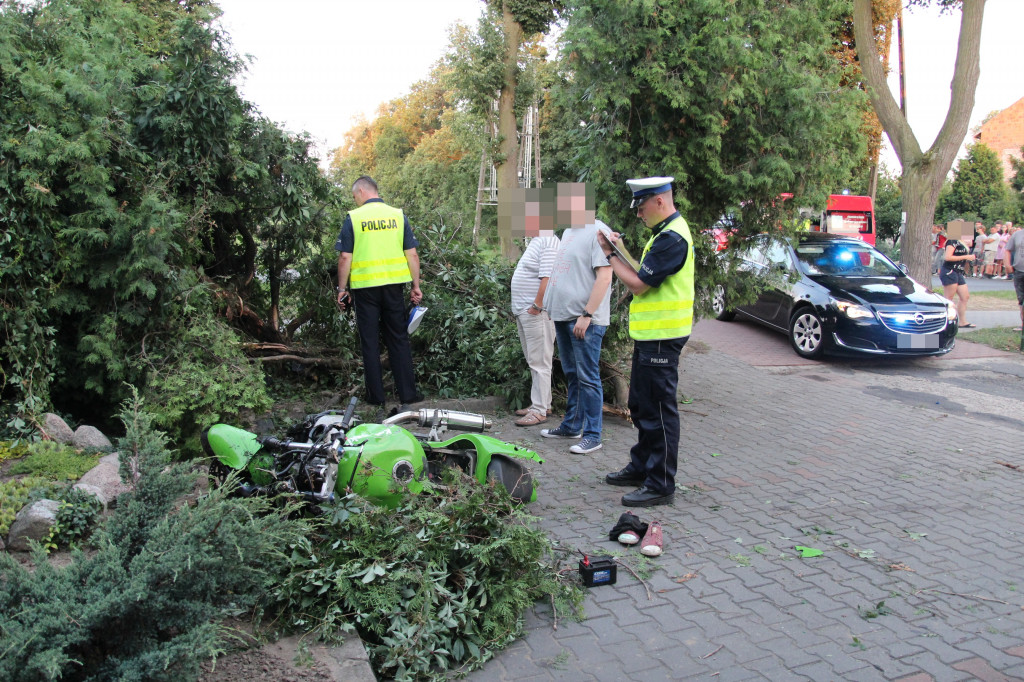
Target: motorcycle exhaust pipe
460	421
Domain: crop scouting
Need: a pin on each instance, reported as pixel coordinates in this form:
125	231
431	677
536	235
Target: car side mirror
904	269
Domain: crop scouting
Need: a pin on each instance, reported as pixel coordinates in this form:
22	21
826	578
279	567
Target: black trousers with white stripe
654	410
380	311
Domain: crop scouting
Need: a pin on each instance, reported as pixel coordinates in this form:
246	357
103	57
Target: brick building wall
1004	134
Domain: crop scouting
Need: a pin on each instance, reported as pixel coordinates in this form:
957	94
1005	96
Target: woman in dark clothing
952	277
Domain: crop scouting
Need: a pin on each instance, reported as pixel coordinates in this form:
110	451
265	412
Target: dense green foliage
978	189
75	518
15	493
151	219
143	606
437	585
534	16
739	101
55	461
888	208
139	197
469	343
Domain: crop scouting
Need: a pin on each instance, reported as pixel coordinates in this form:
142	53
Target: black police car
840	295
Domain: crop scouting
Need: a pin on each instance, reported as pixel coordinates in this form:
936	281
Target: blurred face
539	220
572	205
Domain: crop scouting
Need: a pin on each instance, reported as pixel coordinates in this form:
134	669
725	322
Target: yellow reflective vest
377	254
666	311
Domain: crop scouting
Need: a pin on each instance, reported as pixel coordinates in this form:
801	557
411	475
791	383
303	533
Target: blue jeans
581	365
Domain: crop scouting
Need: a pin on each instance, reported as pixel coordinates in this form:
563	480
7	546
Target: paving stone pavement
922	576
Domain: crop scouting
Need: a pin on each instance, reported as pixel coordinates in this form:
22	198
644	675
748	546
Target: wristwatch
610	256
586	314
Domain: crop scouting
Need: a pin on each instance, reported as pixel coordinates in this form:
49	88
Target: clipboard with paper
622	253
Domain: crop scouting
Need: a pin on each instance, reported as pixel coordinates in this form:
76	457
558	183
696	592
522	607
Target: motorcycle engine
314	475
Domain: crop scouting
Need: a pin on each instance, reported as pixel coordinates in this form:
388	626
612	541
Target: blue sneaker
586	446
559	433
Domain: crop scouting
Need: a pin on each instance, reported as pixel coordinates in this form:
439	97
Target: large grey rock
103	480
57	429
32	523
91	437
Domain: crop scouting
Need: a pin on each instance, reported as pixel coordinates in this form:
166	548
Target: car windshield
846	259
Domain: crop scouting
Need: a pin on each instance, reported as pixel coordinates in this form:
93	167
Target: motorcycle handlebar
350	411
274	443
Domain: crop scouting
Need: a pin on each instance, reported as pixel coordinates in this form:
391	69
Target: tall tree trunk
509	148
272	330
920	188
478	215
923	172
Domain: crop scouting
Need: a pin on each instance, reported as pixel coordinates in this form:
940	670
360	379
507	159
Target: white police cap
645	187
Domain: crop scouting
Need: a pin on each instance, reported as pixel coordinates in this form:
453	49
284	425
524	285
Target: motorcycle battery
598	570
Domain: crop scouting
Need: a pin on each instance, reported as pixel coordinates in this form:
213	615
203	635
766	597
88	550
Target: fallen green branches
434	586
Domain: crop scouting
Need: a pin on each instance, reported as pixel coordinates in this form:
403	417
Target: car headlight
853	311
950	312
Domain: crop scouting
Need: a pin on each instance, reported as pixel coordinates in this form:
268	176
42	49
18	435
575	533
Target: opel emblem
919	318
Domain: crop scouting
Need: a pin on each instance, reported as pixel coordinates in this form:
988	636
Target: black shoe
407	405
645	497
624	477
628	530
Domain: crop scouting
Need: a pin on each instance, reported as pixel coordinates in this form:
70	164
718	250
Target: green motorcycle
331	453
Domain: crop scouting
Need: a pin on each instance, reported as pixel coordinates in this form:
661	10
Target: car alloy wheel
718	305
806	334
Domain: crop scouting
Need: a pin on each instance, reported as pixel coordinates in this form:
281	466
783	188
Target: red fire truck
849	215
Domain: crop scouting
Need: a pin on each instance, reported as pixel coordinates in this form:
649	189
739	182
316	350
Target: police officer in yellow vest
376	258
660	320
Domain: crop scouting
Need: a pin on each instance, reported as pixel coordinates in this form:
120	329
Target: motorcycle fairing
377	454
500	461
237	448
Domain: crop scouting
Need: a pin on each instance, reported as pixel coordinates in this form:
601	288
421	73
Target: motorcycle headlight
852	310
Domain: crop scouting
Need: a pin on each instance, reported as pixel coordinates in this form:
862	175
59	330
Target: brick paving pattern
922	576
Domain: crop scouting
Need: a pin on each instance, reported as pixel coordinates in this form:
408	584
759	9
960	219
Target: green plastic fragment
808	552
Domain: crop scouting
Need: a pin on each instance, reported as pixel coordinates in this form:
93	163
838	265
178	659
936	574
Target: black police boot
645	497
624	477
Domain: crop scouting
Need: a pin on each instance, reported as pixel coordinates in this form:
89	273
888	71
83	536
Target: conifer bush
437	585
143	606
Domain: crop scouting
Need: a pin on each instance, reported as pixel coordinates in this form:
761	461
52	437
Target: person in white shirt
529	282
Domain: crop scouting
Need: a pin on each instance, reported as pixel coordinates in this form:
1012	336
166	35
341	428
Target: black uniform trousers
654	409
382	310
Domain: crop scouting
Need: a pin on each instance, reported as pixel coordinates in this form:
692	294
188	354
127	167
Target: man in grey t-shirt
1013	260
577	298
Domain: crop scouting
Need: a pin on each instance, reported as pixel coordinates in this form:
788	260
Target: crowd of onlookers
987	244
982	254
